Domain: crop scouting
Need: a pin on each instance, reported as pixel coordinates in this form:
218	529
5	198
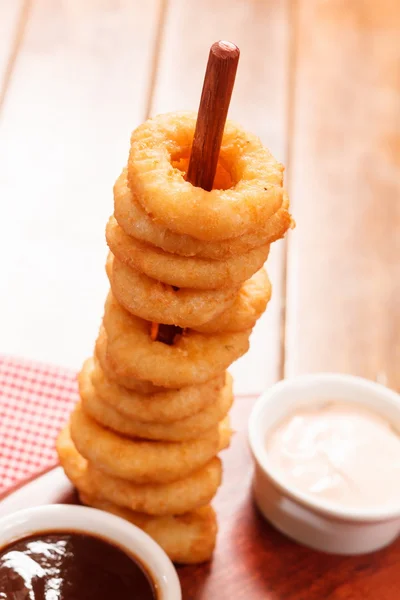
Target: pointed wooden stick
213	110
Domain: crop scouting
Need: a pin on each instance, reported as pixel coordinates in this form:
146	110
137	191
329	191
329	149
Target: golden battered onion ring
74	465
160	188
154	301
163	407
178	431
248	307
130	383
136	223
138	460
180	271
174	498
193	358
187	539
154	499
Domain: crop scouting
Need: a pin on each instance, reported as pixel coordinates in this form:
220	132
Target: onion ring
220	214
130	383
192	359
154	301
73	463
178	431
138	460
162	407
174	498
249	305
187	539
180	271
136	223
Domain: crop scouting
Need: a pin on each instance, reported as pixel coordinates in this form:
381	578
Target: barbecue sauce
71	566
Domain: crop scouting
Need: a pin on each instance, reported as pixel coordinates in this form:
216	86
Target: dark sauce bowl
65	518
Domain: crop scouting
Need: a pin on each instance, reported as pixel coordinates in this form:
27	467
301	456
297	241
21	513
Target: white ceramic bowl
65	517
305	518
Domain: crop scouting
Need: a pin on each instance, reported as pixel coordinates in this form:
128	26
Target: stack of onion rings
143	441
142	461
176	431
187	537
153	301
165	406
193	273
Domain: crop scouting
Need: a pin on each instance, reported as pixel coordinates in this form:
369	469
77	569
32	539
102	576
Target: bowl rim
84	519
257	431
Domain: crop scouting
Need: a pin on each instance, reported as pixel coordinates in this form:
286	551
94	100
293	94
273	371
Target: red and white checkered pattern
35	401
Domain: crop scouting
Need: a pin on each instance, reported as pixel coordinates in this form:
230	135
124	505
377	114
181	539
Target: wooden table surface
319	82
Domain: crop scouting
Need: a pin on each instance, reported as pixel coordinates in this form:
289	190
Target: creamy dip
339	452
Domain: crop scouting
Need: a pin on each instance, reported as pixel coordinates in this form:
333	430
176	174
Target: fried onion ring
178	431
187	539
180	271
162	407
136	223
138	460
130	383
161	189
249	305
174	498
154	301
73	463
193	358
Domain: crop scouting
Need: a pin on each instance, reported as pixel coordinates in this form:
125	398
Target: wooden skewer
164	333
213	110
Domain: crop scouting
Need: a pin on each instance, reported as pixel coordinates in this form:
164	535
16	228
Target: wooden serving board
252	561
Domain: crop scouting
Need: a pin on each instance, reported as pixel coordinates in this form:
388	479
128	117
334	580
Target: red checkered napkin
35	400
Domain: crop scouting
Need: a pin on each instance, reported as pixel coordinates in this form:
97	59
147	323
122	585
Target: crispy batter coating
152	300
165	406
187	539
183	272
249	305
161	189
142	442
73	463
193	358
135	221
139	386
177	431
178	497
139	460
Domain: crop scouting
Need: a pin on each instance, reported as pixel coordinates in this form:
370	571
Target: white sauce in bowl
339	452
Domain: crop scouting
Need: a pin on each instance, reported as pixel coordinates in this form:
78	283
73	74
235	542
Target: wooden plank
259	102
344	260
79	87
12	18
